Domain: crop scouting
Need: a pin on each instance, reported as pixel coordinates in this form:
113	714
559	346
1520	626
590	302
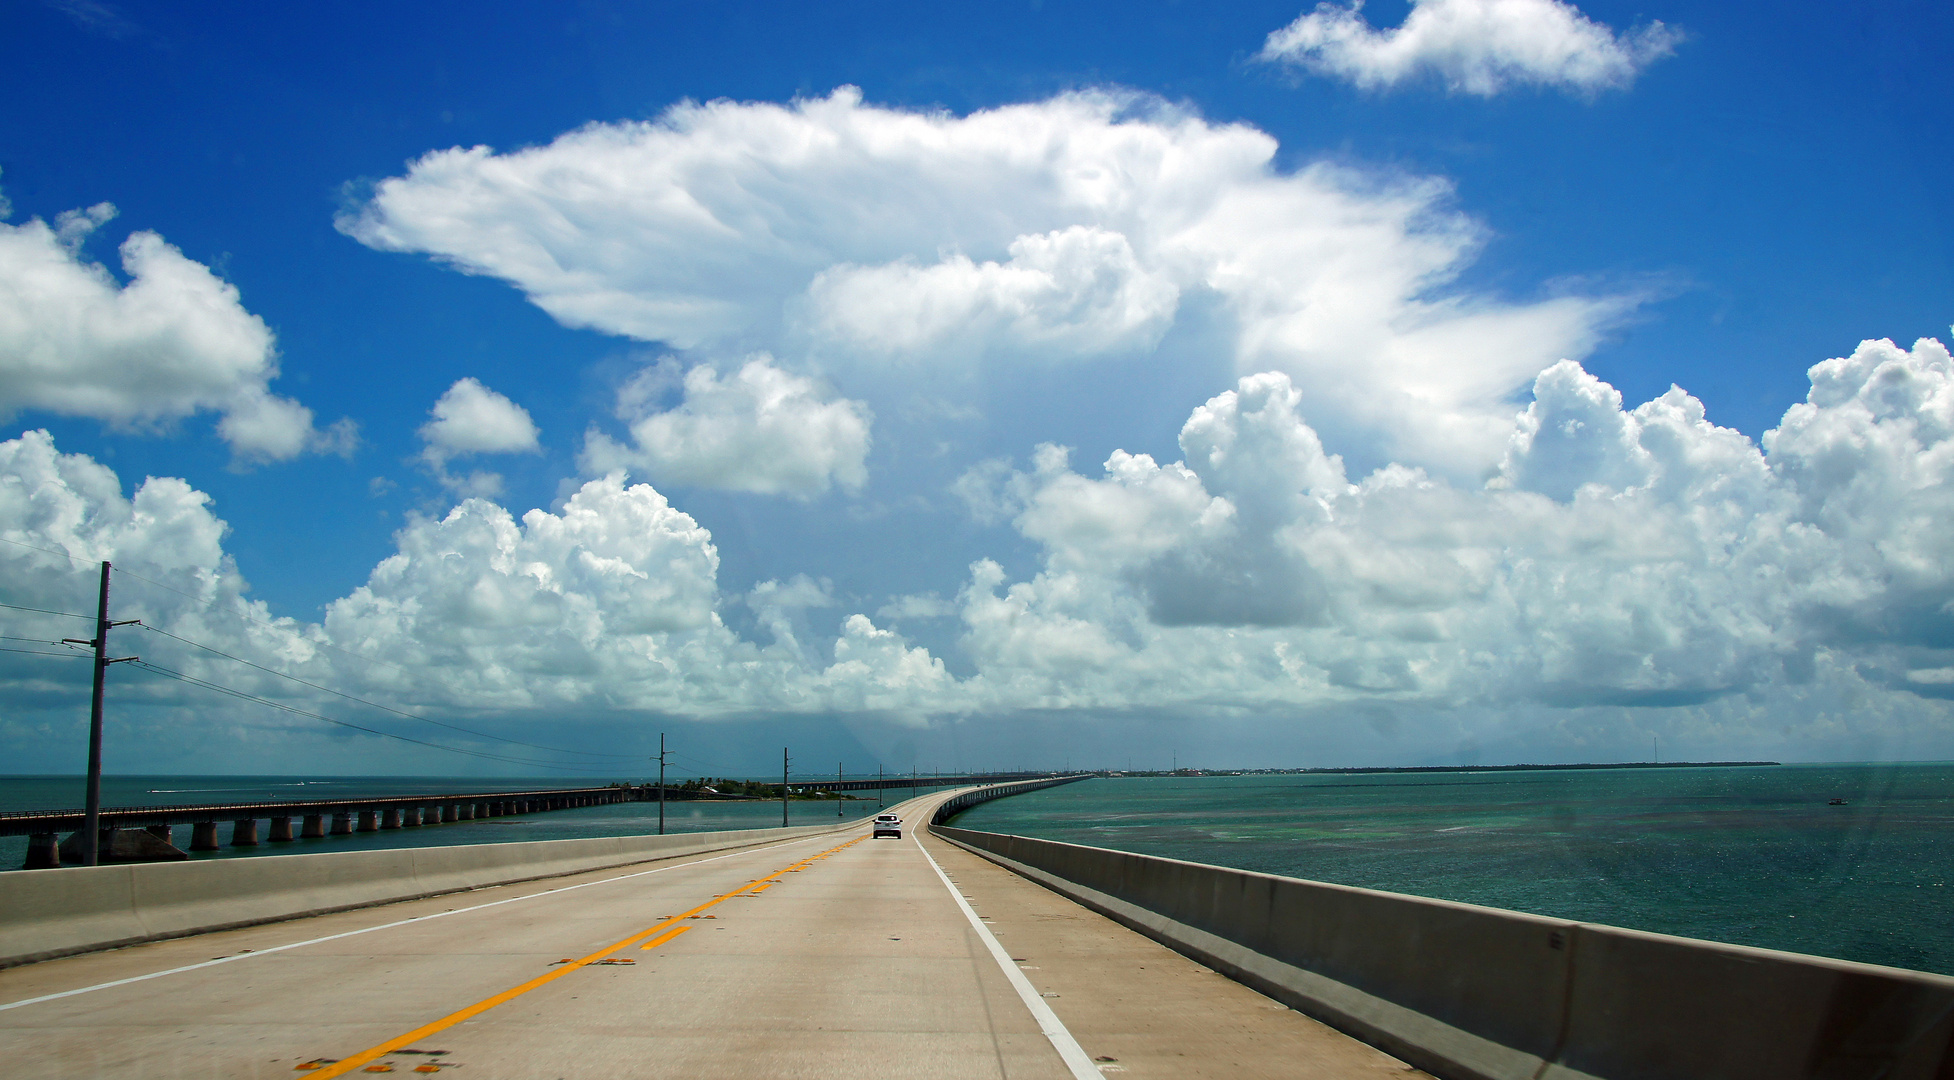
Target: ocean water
622	819
1753	855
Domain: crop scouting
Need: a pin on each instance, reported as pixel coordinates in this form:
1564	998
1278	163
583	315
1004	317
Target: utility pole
878	786
783	787
91	822
838	789
661	783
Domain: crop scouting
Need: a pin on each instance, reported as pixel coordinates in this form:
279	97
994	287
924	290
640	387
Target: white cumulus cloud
607	607
175	340
864	241
470	419
761	430
1478	47
1621	556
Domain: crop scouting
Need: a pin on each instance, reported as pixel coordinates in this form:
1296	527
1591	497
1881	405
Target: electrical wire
42	550
212	604
377	705
48	611
231	692
294	678
34	652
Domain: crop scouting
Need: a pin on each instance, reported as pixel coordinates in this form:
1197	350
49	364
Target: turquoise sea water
622	819
1754	856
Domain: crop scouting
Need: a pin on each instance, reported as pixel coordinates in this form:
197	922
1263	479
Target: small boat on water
1836	802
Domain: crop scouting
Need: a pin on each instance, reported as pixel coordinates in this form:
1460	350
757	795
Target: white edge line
764	846
1054	1029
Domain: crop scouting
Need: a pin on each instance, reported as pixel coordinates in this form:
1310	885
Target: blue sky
1747	191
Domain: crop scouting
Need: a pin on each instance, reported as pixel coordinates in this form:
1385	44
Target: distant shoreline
1457	768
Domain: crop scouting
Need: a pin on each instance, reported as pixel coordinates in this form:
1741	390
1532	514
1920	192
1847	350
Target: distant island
1450	768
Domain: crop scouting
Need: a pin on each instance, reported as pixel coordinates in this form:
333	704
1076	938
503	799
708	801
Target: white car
887	825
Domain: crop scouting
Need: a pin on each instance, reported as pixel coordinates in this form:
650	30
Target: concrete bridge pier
314	827
369	820
410	817
162	832
390	818
342	823
203	836
244	832
43	851
281	829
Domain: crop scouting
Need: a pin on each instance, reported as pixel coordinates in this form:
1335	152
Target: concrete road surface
839	956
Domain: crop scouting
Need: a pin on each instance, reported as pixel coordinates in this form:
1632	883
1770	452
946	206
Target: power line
47	611
377	705
271	671
303	682
44	551
212	604
65	655
231	692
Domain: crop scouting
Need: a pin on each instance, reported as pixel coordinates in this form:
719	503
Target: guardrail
1477	993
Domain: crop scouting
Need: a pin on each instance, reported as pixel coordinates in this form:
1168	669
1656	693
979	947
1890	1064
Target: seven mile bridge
828	952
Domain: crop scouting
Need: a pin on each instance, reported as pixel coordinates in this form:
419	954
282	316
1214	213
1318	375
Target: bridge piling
369	821
314	827
203	836
43	851
244	832
281	829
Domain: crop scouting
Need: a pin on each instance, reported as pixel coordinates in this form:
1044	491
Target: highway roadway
838	956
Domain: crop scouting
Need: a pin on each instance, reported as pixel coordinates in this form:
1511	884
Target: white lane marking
1068	1047
391	925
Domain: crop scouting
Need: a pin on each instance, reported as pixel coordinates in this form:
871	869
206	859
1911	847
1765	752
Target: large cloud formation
880	247
1481	47
609	605
172	342
1634	557
1621	558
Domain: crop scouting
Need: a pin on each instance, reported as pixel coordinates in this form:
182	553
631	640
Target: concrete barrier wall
49	913
1476	993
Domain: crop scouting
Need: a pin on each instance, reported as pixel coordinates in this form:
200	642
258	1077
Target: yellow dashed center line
664	937
340	1068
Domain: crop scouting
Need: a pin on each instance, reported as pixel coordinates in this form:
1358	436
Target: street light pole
838	789
661	783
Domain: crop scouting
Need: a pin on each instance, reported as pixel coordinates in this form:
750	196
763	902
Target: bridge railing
955	805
